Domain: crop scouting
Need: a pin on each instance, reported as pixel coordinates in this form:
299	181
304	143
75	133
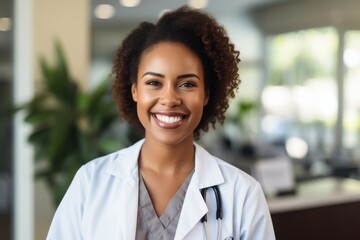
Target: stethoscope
219	213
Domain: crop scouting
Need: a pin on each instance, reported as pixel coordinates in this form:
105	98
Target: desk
326	208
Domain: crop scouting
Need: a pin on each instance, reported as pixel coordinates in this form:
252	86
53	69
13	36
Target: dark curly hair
201	34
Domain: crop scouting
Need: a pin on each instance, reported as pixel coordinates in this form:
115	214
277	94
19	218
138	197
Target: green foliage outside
297	56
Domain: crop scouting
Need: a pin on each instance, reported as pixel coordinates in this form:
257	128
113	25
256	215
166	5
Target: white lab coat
102	201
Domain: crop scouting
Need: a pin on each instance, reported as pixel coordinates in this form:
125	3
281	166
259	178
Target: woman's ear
134	92
206	96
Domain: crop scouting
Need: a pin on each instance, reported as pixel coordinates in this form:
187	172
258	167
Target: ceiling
148	10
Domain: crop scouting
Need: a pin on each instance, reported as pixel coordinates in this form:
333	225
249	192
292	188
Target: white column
339	132
22	91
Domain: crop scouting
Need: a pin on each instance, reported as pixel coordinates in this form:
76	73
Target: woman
172	79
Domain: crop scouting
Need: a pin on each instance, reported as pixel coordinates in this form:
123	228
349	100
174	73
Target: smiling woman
170	93
173	79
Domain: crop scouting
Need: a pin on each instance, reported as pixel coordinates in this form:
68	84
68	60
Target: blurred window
351	123
300	95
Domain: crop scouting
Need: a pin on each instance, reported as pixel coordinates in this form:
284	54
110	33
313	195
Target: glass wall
300	96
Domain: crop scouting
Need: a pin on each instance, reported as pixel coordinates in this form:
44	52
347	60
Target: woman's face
170	93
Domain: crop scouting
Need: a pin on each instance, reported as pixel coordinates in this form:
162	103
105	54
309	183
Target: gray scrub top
149	225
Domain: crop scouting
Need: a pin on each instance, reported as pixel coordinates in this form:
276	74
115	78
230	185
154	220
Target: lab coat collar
125	164
207	172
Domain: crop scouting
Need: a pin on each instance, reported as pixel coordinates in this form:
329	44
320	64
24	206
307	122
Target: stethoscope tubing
219	213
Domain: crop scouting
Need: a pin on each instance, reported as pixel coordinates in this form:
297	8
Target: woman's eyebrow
154	74
188	76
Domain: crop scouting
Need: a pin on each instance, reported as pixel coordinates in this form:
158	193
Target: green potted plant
69	126
239	130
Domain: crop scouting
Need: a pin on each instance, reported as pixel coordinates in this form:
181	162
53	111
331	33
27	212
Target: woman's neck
167	159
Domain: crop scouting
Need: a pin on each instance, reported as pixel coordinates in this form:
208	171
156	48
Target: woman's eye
188	85
152	83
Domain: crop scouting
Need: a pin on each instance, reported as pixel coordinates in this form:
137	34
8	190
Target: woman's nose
170	97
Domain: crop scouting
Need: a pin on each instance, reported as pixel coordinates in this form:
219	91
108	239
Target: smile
169	119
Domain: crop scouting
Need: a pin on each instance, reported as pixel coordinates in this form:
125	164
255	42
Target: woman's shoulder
240	182
235	173
114	161
231	173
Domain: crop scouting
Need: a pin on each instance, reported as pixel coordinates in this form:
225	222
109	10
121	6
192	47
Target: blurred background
294	124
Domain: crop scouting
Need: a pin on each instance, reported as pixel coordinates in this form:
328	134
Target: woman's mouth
169	119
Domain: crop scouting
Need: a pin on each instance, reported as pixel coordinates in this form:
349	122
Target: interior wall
68	22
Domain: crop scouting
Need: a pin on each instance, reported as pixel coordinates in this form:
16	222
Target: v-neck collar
155	224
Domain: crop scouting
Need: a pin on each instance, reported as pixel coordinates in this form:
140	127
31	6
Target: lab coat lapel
207	173
128	206
194	208
125	168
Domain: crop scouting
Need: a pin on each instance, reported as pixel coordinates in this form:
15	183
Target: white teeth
168	119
